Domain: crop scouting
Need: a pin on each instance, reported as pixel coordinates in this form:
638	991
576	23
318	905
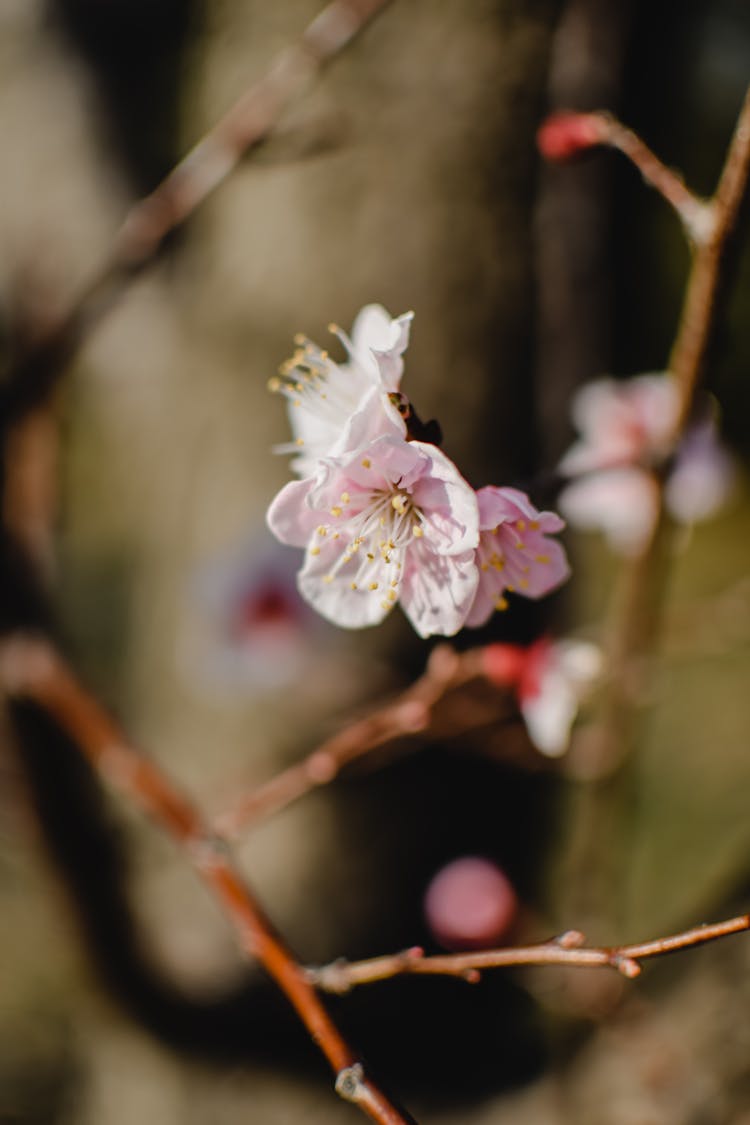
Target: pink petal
289	516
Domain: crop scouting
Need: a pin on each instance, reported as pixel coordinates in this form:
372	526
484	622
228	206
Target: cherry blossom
550	680
626	427
514	554
325	396
386	522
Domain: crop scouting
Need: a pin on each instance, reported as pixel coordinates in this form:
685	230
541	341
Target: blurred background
408	176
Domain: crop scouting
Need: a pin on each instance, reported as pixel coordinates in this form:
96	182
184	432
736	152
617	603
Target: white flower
389	521
324	396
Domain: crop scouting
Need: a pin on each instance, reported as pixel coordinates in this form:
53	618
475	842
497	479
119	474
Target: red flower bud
565	135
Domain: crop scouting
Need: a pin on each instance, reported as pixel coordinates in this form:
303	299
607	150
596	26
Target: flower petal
290	517
437	590
344	593
379	342
448	502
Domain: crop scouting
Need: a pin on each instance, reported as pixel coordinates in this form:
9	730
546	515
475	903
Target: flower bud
563	136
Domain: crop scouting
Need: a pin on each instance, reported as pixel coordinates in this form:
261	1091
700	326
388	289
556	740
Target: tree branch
568	949
406	716
30	668
34	374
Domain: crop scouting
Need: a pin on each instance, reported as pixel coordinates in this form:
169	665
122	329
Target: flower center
380	535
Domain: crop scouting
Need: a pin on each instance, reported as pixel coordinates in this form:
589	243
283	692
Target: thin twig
151	220
341	976
30	668
697	215
566	134
408	715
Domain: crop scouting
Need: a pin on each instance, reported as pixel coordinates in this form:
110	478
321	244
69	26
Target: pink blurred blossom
625	427
550	680
470	904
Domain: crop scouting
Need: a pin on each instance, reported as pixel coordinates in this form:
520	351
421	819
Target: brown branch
217	154
566	134
697	215
341	976
703	306
30	668
408	715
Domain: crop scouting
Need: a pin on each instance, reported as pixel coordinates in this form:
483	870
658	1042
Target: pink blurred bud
565	135
503	664
470	904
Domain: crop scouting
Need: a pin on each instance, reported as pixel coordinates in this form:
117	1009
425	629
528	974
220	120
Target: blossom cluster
625	427
385	517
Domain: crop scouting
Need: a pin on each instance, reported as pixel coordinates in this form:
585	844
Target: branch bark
30	668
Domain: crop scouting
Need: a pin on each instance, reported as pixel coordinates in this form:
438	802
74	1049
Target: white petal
437	590
549	714
330	587
448	502
289	516
379	343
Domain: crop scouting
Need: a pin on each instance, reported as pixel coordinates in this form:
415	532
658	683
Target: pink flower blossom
385	522
550	680
625	427
514	554
325	396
